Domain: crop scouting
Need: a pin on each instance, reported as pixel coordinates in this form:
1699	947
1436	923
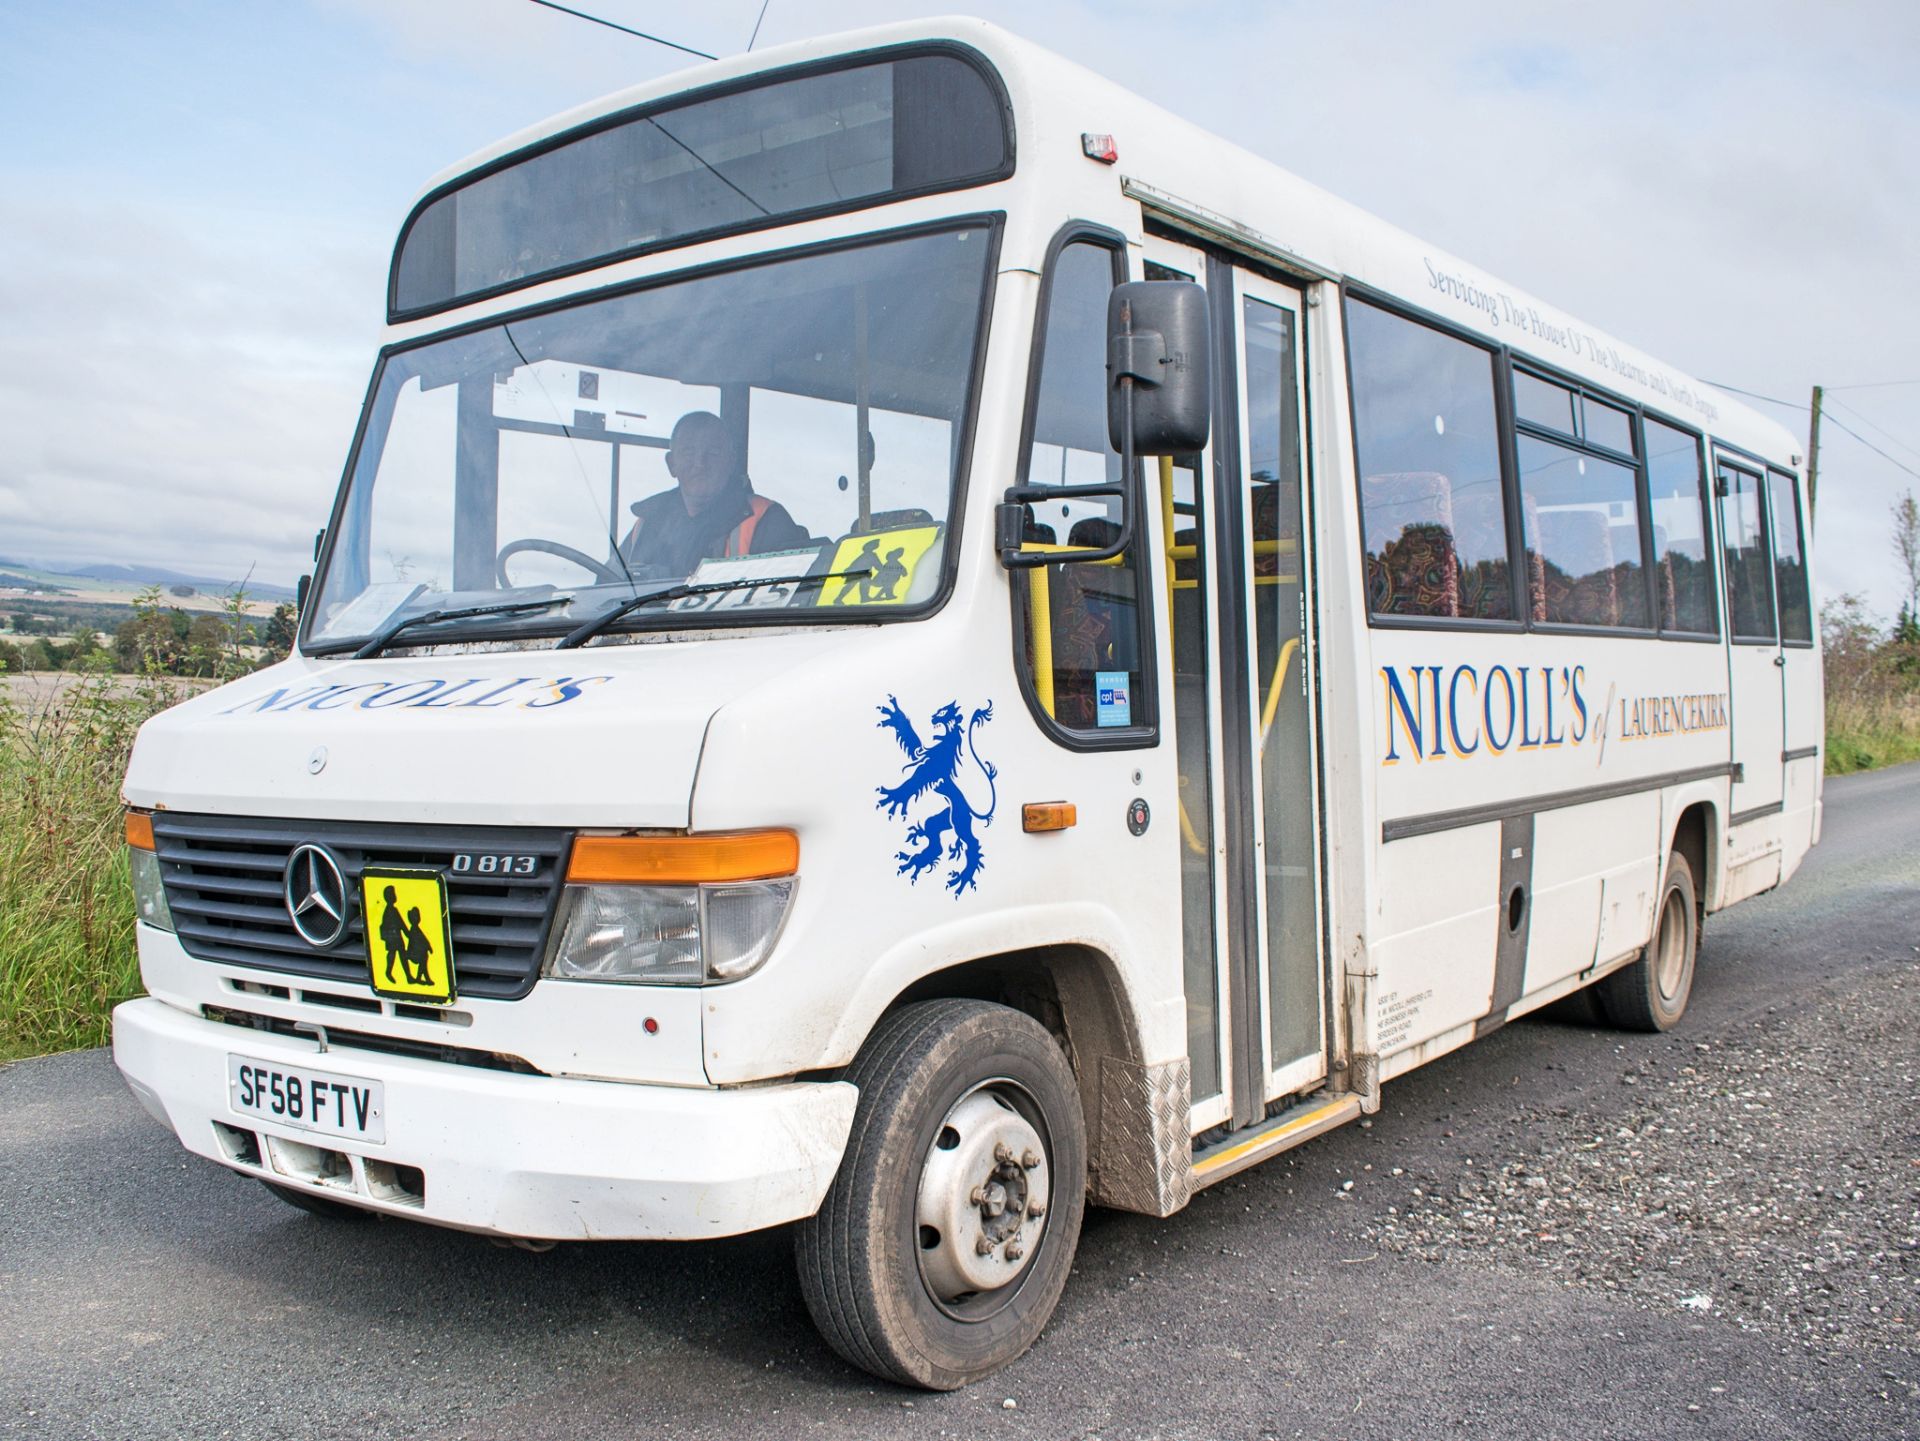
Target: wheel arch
1695	831
1139	1153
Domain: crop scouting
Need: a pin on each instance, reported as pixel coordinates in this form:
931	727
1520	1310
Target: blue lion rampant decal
935	768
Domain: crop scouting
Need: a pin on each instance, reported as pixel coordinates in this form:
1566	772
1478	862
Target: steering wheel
601	571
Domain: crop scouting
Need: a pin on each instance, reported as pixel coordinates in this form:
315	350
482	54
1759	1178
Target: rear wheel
945	1241
1651	994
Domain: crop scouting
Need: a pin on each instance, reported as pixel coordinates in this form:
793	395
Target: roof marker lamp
149	891
673	910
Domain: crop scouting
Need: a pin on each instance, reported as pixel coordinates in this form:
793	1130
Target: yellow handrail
1280	669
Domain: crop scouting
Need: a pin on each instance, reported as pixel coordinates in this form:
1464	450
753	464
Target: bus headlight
673	910
149	891
668	935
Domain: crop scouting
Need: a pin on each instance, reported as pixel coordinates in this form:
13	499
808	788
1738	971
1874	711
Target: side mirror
1158	396
1158	403
300	590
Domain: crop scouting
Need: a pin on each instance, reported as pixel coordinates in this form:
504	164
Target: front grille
225	879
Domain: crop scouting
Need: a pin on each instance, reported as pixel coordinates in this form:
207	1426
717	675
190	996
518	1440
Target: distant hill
145	575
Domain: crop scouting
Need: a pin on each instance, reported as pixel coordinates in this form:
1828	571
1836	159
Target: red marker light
650	1026
1099	147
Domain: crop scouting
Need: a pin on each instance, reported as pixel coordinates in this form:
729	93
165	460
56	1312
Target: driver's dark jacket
665	540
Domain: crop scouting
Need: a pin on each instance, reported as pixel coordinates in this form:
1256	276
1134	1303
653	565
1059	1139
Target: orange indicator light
683	860
140	830
1048	815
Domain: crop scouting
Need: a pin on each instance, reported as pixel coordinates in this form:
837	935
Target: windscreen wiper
582	634
380	639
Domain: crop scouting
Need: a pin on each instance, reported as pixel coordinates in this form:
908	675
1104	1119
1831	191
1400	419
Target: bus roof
1197	180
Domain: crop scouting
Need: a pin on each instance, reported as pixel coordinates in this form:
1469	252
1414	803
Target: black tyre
946	1239
316	1204
1651	994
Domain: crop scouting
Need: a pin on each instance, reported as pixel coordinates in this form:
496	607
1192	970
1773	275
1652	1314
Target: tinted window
1582	522
1749	590
832	141
1084	649
1682	570
1428	446
1789	559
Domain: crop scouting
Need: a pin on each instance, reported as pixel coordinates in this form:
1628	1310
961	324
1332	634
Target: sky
198	200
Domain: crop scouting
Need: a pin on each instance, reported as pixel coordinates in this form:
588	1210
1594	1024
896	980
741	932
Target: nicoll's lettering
1437	711
1433	712
521	692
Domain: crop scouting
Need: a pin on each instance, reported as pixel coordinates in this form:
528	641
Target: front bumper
513	1155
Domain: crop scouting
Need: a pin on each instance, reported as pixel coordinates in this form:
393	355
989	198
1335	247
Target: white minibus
910	642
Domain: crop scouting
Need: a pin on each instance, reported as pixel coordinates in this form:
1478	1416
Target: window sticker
887	561
1114	689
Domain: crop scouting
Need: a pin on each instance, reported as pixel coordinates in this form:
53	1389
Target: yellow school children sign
409	940
884	563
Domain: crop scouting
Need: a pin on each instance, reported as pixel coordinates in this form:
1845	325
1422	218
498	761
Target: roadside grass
1867	732
66	903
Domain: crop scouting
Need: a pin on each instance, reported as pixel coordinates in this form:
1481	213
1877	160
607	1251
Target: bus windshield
795	417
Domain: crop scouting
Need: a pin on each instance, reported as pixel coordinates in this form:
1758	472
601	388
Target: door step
1272	1136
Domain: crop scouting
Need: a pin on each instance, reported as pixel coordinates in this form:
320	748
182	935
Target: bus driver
712	512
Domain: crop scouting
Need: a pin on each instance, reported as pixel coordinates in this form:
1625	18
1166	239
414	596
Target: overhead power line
1755	395
1836	420
628	29
757	24
1854	411
1873	385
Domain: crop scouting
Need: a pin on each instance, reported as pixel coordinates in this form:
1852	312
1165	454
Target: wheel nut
1002	1152
983	1247
977	1196
1036	1208
1030	1159
1015	1250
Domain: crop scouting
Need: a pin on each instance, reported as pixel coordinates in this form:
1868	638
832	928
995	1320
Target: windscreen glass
854	136
780	438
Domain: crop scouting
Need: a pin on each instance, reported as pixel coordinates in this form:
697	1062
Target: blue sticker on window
1116	697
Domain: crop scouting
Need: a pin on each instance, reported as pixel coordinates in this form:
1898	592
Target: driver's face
701	460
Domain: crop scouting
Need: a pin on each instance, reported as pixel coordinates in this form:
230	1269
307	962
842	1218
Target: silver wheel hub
983	1197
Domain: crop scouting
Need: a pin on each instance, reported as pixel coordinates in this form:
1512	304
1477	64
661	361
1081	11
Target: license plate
311	1100
409	934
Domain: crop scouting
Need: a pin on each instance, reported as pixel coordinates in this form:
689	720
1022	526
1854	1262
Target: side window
1579	509
1080	626
1427	439
1789	560
1749	586
1682	569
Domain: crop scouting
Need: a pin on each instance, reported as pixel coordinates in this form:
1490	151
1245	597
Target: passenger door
1235	568
1756	662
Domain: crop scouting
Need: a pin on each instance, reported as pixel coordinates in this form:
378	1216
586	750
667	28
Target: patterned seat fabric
1413	566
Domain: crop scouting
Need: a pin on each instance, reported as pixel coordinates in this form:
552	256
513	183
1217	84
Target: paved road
1721	1243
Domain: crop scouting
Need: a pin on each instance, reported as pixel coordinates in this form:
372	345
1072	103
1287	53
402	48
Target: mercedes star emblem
316	890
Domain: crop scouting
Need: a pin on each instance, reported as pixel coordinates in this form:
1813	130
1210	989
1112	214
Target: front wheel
946	1239
1651	994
